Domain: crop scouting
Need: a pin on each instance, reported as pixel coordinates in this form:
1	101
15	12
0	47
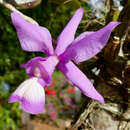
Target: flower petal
32	37
90	45
31	65
31	95
81	36
78	79
41	67
67	35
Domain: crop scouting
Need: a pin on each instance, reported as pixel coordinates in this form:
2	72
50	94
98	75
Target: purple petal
78	79
89	46
31	95
41	68
32	64
32	37
67	35
81	36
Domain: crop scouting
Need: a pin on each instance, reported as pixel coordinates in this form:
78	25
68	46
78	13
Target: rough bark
113	82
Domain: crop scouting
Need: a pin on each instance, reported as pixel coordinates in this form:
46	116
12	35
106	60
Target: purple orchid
34	38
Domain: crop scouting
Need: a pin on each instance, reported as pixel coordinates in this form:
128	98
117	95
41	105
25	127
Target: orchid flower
35	38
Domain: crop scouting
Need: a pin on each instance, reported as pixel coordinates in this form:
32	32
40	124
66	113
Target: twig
84	115
67	1
13	9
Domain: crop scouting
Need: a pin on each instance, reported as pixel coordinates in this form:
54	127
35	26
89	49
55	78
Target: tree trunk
113	83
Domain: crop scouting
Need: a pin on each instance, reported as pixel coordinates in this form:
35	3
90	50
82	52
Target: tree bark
113	83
